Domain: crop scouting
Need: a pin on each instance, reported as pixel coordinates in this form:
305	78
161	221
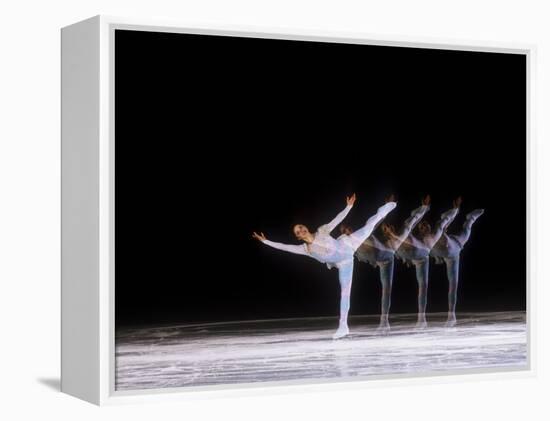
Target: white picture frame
87	323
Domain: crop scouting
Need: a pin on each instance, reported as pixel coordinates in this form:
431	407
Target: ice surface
246	352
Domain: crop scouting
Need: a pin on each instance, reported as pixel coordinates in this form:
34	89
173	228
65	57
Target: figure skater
416	250
380	253
335	253
447	250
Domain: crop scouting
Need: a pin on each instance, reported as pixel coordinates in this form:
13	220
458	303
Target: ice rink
291	349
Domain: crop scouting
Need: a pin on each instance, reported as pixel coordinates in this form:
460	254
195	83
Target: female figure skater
380	253
447	250
416	250
334	252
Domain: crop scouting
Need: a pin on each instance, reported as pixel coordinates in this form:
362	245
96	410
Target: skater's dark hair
344	228
385	227
424	227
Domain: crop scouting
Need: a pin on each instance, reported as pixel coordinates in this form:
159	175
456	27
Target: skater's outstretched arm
328	228
291	248
390	198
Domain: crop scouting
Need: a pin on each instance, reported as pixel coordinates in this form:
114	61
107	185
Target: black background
220	136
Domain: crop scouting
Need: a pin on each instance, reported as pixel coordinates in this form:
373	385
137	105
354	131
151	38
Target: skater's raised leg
358	237
463	236
410	223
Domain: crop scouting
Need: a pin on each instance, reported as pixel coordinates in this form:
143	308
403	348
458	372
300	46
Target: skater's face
300	231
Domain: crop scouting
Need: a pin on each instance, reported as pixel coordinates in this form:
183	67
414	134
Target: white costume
338	253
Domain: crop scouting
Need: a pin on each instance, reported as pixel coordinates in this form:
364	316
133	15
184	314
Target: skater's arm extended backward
334	223
291	248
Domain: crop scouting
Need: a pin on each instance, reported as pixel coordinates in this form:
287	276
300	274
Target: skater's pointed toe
475	214
387	208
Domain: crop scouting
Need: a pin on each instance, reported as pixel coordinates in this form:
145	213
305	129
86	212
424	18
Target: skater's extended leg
386	279
359	236
422	270
463	236
411	222
345	276
442	224
452	275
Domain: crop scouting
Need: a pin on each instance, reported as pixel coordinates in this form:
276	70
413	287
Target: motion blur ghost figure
416	250
380	252
334	252
447	250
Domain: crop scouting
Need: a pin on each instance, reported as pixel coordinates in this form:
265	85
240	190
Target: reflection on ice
246	352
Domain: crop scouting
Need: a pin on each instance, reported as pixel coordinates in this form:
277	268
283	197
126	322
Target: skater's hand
426	201
390	198
259	237
351	199
457	202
